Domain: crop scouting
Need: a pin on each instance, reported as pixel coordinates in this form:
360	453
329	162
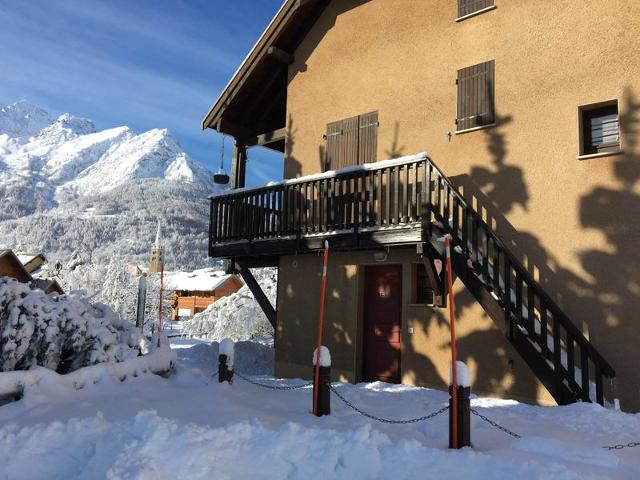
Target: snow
332	173
325	357
60	332
157	361
187	426
66	156
237	316
463	377
226	348
204	280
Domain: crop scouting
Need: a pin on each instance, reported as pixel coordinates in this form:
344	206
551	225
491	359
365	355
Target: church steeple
157	253
158	236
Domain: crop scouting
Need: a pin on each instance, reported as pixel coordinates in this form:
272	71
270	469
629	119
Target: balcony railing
379	197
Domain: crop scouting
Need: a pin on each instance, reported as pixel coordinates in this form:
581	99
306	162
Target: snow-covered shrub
61	332
237	316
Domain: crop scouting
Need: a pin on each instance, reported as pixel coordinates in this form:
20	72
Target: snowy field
187	426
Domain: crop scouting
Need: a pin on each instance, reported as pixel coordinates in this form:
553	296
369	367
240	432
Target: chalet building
529	112
194	291
25	269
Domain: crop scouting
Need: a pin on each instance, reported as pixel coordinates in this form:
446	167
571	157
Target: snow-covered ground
188	426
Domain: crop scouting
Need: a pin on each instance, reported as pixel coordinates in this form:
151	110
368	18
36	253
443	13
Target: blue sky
145	64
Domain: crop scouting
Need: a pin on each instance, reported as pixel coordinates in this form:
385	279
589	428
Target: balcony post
238	164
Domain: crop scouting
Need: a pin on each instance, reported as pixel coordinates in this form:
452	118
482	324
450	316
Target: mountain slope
72	191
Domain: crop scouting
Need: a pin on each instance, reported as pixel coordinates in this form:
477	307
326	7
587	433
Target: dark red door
382	324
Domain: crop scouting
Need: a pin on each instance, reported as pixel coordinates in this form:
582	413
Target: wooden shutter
349	142
368	137
332	151
467	7
476	96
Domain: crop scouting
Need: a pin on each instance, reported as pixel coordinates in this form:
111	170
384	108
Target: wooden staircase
552	346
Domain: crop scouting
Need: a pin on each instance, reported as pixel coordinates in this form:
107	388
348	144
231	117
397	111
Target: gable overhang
253	103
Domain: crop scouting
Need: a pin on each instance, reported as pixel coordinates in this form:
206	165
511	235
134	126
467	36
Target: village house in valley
529	112
194	291
28	268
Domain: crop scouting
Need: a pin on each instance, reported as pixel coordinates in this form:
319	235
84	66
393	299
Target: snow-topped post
225	361
464	407
324	379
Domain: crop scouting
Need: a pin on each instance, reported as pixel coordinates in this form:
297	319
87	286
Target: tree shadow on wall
602	294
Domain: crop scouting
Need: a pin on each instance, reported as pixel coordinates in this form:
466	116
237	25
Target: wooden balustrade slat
584	374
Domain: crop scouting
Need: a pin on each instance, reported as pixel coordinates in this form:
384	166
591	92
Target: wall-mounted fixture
380	256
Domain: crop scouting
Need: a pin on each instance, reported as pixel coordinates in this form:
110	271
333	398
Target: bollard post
225	361
463	411
322	378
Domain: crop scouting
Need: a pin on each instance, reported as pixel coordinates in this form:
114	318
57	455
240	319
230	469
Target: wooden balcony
357	207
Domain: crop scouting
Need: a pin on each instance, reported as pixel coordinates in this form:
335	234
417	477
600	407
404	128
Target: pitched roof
204	280
254	100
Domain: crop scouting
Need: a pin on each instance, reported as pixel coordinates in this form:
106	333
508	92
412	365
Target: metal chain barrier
404	422
273	387
494	424
386	420
621	446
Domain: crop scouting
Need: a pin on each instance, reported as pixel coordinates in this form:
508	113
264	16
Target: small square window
599	128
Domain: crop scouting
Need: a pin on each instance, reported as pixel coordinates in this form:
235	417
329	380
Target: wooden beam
261	298
303	3
266	138
230	128
280	55
435	280
238	165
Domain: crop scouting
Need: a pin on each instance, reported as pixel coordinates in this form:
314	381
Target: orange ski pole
454	365
323	291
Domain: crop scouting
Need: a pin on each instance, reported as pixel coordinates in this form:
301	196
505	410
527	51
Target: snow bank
138	448
160	361
59	332
463	377
237	316
325	357
253	357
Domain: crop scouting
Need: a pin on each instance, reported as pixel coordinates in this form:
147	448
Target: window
469	7
424	290
352	141
476	96
599	128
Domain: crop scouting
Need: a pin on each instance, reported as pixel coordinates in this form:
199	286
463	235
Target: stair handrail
570	328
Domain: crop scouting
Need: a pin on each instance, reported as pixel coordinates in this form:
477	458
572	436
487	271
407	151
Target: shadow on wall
604	297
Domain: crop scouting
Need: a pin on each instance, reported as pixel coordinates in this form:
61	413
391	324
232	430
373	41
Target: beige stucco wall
573	222
496	368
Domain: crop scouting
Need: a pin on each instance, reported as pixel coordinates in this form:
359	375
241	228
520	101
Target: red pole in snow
160	306
454	366
323	292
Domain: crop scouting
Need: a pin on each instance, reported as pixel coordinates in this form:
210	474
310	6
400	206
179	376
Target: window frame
585	115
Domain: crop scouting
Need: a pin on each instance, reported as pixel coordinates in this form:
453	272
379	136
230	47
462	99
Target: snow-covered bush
60	332
237	316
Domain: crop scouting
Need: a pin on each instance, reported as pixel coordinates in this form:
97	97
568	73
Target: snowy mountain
67	155
69	190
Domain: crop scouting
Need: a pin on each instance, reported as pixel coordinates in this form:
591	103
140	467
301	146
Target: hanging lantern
221	177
